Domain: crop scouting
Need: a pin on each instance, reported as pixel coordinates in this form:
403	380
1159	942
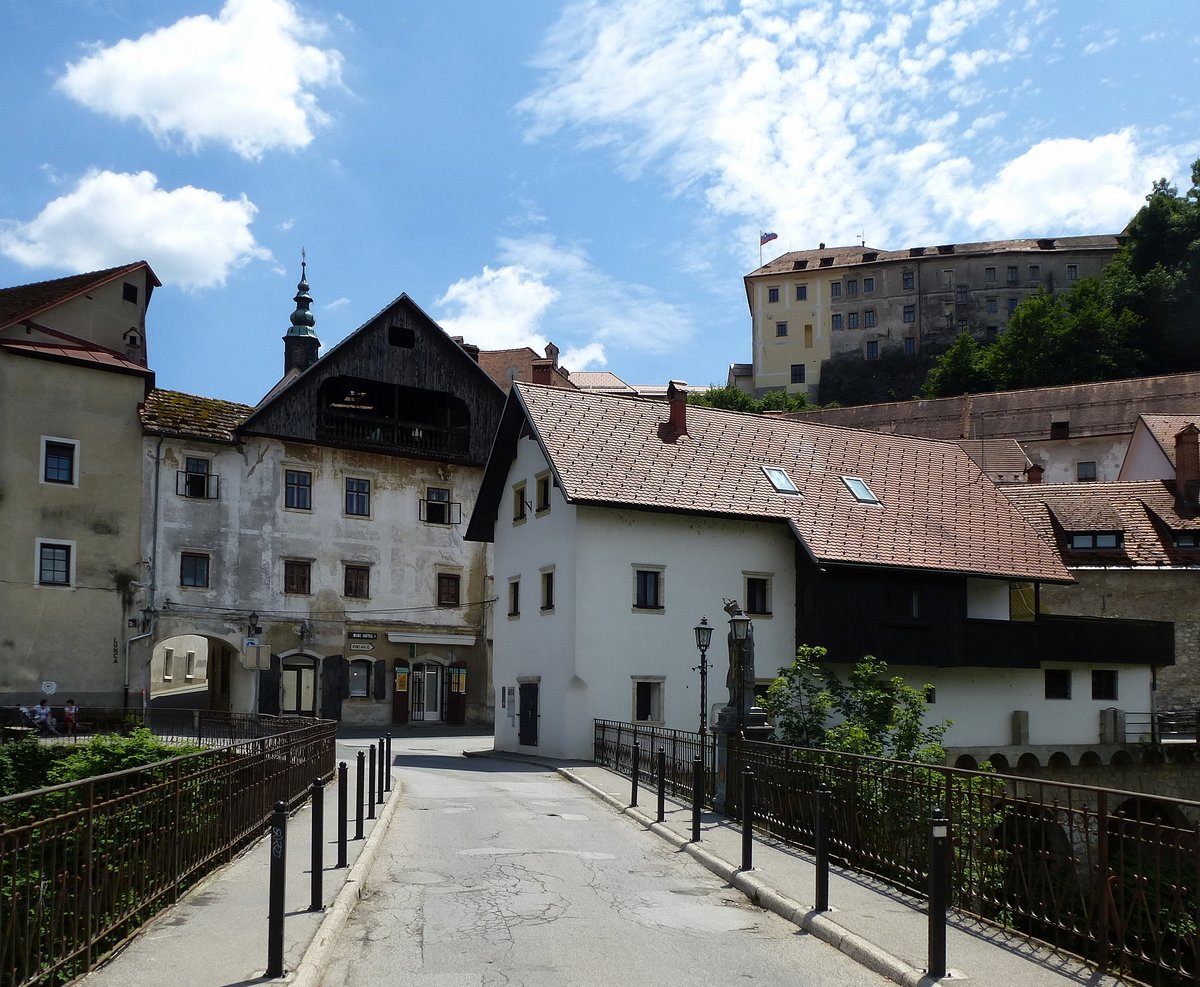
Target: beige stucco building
72	376
808	307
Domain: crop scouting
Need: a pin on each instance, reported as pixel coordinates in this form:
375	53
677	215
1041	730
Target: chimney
552	353
1034	474
469	348
677	396
543	372
1187	463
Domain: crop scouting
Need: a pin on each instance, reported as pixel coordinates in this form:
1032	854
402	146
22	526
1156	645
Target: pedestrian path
882	929
216	936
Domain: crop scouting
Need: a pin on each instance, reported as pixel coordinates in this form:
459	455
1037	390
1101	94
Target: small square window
196	479
1072	272
1035	272
437	506
448	587
1058	683
947	280
801	292
193	569
852	320
872	350
543	493
989	275
297	494
1011	305
758	595
906	280
297	577
869	318
780	480
797	373
648	589
835	320
357	582
835	289
960	294
861	490
1012	274
1085	472
910	313
548	590
54	564
991	305
58	462
910	346
514	597
519	503
358	497
772	295
129	292
902	604
780	329
1104	684
852	289
647	700
868	285
1187	539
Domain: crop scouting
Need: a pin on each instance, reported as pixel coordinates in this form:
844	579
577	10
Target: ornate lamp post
703	640
739	627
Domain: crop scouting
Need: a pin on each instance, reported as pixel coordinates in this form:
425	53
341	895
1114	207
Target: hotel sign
362	635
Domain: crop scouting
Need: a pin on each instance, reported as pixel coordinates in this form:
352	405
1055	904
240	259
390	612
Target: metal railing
84	865
1112	877
613	748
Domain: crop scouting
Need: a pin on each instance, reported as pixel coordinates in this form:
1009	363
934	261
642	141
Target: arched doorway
298	685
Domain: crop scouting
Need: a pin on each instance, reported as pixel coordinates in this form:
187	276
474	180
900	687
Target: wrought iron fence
1105	875
613	748
84	865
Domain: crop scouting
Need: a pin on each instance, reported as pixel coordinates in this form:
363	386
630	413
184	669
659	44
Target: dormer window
1092	540
1187	539
780	480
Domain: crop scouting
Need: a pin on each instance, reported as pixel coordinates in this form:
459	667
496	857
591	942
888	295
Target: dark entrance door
527	729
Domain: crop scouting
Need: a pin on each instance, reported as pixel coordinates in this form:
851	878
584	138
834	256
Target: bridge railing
84	865
1106	875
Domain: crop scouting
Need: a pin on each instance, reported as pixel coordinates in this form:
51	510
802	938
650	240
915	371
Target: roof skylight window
780	480
862	493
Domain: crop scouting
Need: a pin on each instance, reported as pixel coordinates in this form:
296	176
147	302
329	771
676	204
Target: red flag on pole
765	238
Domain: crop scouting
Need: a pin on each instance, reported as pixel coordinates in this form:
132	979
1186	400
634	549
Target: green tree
958	371
731	398
867	713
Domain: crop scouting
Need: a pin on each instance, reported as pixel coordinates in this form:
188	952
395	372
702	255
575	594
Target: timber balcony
394	435
1097	640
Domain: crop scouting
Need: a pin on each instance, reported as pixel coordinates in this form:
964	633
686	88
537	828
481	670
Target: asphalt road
501	873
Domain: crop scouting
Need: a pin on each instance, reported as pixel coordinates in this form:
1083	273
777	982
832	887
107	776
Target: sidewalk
216	936
882	929
217	933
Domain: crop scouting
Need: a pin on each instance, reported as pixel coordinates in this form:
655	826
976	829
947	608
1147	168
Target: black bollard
388	738
747	819
939	847
637	757
824	795
697	795
371	782
358	798
342	810
318	844
276	896
382	771
662	784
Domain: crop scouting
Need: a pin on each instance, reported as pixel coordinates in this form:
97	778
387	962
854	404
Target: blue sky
591	173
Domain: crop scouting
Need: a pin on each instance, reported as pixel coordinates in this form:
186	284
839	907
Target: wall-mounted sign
359	646
401	681
362	635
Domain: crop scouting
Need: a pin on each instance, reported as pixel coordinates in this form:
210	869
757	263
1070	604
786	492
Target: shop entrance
425	688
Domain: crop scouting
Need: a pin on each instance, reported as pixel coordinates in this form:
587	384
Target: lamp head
739	623
703	634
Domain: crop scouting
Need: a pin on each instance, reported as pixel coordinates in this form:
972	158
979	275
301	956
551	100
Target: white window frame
168	672
369	666
542	574
514	586
769	579
661	572
74	481
659	683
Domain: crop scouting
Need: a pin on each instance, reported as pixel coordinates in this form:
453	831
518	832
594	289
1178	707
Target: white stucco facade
590	650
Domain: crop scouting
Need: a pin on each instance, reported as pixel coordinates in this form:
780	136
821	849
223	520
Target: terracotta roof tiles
176	413
937	511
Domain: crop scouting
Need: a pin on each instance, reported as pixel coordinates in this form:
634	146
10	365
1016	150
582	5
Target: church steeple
300	344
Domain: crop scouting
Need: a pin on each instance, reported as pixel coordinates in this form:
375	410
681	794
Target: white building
619	522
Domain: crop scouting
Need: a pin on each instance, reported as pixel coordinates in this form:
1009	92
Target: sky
594	173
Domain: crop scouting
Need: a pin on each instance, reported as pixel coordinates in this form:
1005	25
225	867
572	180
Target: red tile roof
81	352
1146	512
176	413
505	366
937	513
24	301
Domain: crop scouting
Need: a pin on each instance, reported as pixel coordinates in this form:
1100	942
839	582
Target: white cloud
545	291
1106	41
337	303
820	120
244	78
192	237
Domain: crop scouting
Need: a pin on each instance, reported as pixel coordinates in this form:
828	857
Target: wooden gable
397	385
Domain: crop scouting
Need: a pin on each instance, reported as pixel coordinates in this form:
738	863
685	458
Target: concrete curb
320	951
819	924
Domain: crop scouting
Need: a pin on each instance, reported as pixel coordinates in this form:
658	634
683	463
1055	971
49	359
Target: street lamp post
739	626
252	631
703	640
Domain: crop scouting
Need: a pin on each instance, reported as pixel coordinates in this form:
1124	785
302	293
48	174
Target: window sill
541	511
547	610
520	520
659	610
760	615
514	616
